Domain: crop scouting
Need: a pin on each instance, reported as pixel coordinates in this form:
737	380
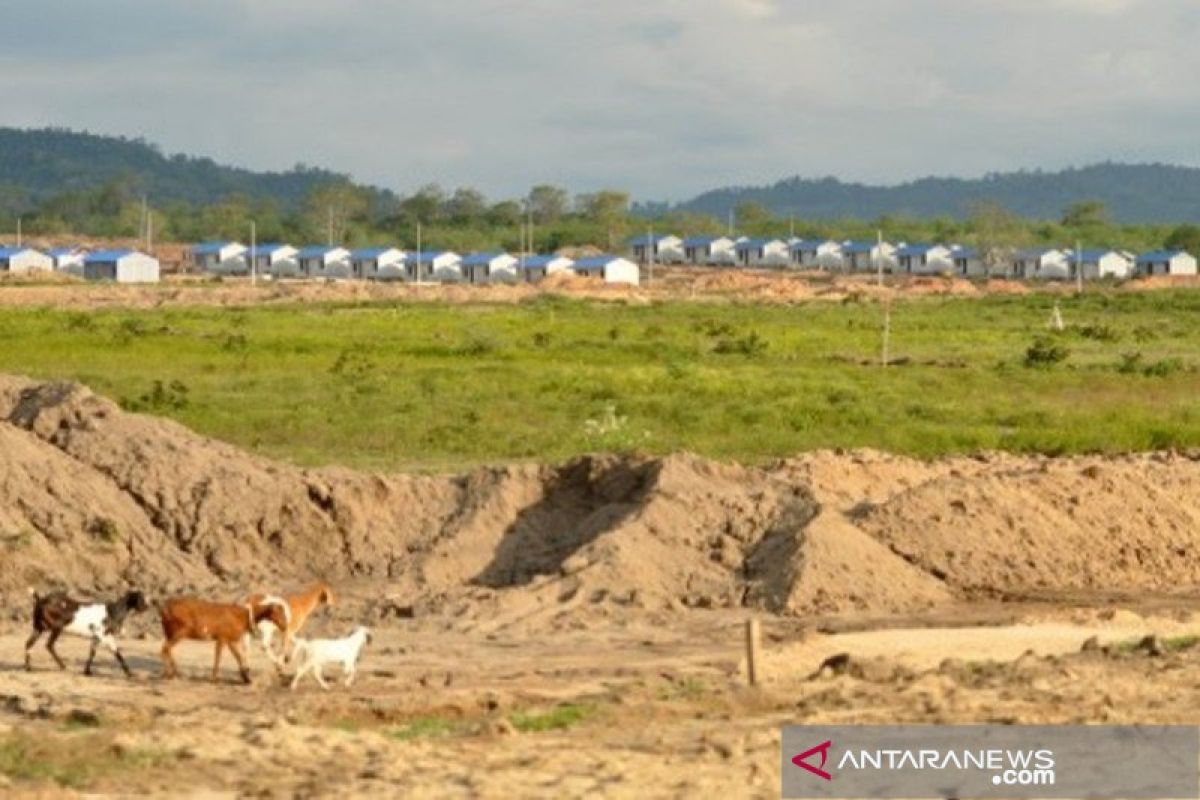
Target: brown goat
300	608
225	624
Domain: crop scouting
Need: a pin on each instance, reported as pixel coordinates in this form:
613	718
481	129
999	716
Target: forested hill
39	164
1135	193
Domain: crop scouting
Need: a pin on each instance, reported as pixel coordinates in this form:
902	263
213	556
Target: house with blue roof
275	258
816	254
324	261
1166	262
67	259
709	250
666	249
433	265
539	267
490	268
867	256
924	259
610	269
223	257
762	253
1041	263
121	266
377	263
1096	264
968	262
24	259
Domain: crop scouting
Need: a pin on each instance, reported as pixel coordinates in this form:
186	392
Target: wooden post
753	651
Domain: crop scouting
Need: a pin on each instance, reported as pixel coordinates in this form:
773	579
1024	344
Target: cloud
662	97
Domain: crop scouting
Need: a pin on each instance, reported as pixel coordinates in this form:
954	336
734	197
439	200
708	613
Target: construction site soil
571	629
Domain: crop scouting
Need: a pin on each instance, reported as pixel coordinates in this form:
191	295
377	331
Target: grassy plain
430	386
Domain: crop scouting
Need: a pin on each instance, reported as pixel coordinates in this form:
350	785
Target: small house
121	266
323	261
490	268
666	249
433	265
924	259
611	269
1166	262
713	250
762	253
24	259
273	258
224	257
968	262
67	259
869	256
817	254
1041	263
377	263
1098	264
540	267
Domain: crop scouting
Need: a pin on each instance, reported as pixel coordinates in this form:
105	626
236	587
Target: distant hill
1135	193
51	161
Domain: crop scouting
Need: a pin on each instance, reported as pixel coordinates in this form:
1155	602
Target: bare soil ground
576	629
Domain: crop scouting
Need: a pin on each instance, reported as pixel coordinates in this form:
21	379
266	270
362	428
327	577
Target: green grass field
433	387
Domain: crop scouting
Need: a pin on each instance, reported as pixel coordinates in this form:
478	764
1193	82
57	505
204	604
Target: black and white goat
56	614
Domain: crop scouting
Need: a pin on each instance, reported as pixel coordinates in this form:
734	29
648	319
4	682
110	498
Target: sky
662	98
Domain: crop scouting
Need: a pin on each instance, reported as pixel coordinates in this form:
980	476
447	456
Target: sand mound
94	497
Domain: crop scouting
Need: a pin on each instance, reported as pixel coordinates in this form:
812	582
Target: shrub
171	396
749	345
1045	352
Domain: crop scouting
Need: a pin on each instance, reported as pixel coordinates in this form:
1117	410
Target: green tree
467	206
997	232
1087	214
505	214
753	216
330	209
1185	237
547	203
608	210
426	205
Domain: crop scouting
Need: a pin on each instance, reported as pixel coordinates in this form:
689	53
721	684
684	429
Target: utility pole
417	268
149	233
879	257
650	255
731	223
253	255
18	231
887	332
142	226
1078	267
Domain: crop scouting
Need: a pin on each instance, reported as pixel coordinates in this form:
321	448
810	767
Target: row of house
392	263
121	266
915	259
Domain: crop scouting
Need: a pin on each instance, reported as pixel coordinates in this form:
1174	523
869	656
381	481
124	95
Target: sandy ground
669	712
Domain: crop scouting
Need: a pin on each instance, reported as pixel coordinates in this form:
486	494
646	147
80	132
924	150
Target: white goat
312	655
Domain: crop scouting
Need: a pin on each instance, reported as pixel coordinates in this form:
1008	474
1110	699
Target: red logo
823	749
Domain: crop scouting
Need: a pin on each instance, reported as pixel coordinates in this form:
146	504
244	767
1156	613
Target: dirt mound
94	497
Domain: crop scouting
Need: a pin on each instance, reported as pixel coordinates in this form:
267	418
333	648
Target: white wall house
817	254
323	261
924	259
1041	264
714	250
762	253
490	268
433	265
869	256
24	259
612	269
273	258
68	259
968	263
1101	264
1166	262
667	249
223	257
377	263
122	266
540	267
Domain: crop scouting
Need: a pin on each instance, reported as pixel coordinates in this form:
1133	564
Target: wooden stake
753	650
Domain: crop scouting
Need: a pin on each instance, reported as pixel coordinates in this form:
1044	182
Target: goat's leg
87	668
169	668
217	659
299	674
235	647
320	678
350	671
50	646
29	643
110	642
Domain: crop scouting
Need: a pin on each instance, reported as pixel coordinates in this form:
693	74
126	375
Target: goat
300	607
313	654
225	624
57	614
